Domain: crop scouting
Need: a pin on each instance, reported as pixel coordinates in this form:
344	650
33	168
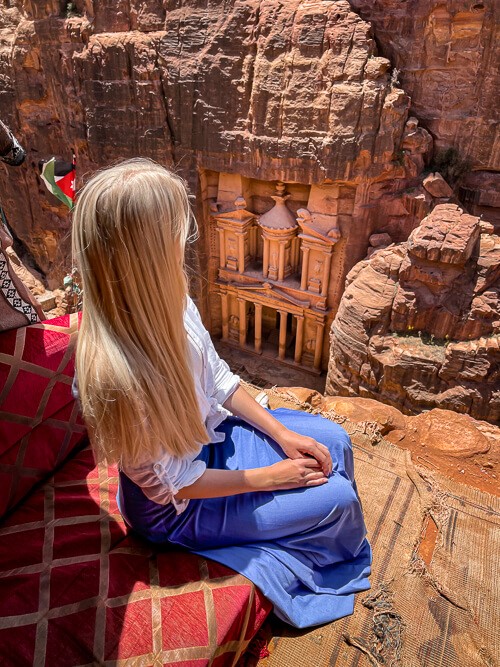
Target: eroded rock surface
291	91
419	322
448	54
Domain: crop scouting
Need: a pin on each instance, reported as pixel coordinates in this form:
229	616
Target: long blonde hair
130	227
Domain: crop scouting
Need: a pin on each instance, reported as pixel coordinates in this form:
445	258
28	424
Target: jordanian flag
59	177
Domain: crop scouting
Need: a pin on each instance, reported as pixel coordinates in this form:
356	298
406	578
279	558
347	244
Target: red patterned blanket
76	588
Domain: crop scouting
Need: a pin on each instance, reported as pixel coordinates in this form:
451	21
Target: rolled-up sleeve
161	481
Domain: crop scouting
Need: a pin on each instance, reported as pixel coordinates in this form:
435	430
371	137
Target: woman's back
203	466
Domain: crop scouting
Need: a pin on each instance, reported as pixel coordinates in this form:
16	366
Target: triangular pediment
270	290
237	217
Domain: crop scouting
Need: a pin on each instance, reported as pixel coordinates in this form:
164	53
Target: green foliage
424	337
399	156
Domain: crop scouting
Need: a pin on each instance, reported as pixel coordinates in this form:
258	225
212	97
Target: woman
203	466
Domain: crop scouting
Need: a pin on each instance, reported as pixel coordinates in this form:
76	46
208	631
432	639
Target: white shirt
214	383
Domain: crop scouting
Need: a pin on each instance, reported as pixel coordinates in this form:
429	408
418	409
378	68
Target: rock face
448	54
267	90
419	322
437	186
480	192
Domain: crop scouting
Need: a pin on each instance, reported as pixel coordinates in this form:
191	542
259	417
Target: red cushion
39	421
76	589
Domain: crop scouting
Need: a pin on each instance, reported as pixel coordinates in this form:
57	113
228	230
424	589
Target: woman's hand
297	446
293	474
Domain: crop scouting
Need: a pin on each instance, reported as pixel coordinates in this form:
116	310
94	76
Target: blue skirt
306	549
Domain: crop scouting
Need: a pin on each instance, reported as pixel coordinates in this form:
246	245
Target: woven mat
444	615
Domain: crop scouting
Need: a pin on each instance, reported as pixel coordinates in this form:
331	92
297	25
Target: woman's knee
332	434
345	495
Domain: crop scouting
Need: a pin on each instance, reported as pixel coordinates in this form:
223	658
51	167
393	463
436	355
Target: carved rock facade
275	270
263	90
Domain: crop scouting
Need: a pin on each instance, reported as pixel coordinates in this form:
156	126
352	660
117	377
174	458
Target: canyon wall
349	105
448	56
268	90
418	326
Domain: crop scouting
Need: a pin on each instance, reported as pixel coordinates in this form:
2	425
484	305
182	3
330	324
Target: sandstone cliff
448	55
418	325
293	91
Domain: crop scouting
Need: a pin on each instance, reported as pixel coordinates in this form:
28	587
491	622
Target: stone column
241	253
252	235
281	261
265	257
243	321
305	269
299	339
225	315
318	350
326	274
222	249
258	327
296	253
282	338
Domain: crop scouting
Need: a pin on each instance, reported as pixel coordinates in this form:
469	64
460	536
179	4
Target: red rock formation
270	90
448	57
437	186
448	54
480	192
419	322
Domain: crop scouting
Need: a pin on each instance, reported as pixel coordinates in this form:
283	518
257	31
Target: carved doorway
270	329
272	323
